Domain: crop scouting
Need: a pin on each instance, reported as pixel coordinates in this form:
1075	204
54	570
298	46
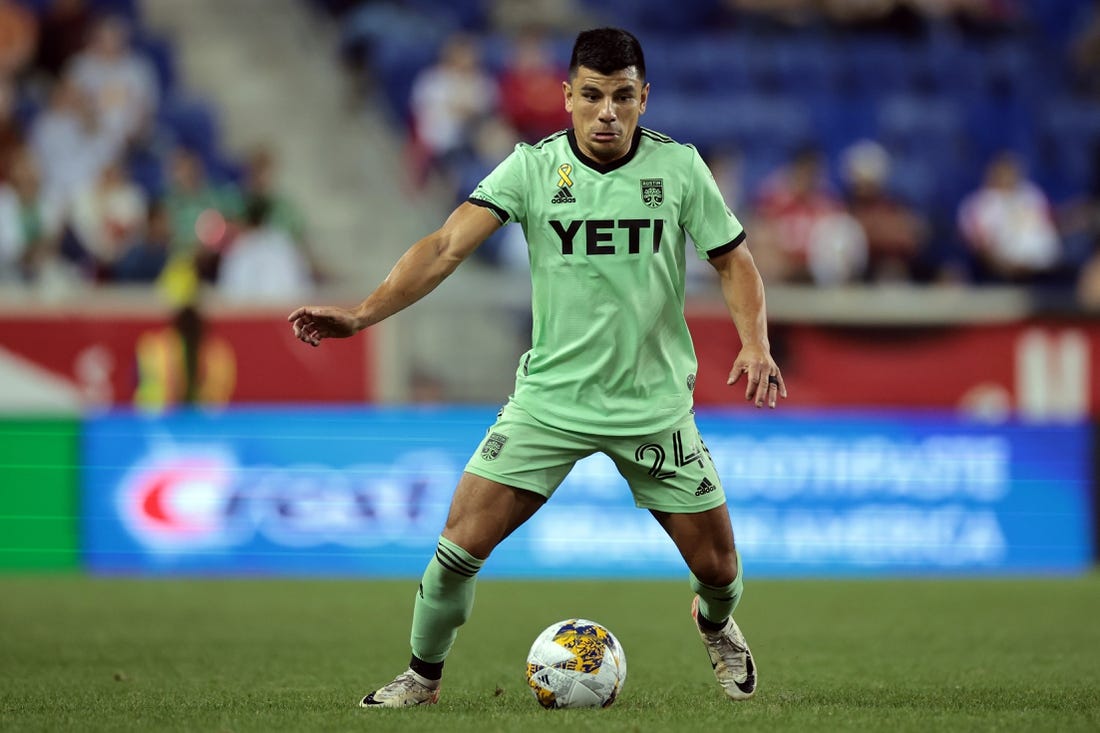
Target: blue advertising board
366	491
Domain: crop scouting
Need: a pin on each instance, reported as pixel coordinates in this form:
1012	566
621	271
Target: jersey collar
605	167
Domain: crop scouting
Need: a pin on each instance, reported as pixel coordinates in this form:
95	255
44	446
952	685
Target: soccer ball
576	664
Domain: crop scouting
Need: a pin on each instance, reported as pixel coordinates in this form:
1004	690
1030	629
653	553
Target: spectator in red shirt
895	233
530	89
791	202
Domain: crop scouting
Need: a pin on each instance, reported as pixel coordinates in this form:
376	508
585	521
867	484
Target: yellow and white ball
576	663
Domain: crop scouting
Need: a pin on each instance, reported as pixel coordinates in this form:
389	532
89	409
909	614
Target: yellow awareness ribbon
563	172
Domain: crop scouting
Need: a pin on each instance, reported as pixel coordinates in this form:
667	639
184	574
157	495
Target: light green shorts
670	471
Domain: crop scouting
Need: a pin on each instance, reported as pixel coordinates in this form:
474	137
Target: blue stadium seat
915	178
468	15
127	8
1059	19
807	63
840	121
223	169
995	124
663	61
926	134
707	63
192	124
1009	69
932	67
397	63
910	120
1068	136
147	171
161	55
874	65
744	120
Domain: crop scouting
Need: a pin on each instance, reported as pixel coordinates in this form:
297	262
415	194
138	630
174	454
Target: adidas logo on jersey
563	196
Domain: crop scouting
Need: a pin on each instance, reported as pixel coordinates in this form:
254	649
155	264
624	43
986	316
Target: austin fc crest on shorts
492	446
653	192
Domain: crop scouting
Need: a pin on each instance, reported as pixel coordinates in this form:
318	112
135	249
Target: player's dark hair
607	50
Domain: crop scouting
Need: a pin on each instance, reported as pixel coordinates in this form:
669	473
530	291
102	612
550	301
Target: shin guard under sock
443	603
717	603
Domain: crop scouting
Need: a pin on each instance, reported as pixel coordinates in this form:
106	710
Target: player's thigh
483	512
519	454
705	541
520	451
668	471
671	474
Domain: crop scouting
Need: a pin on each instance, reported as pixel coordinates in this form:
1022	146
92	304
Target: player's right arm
426	264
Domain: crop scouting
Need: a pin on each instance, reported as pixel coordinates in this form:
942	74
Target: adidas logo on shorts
705	487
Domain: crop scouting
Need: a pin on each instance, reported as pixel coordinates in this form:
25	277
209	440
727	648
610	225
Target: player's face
605	110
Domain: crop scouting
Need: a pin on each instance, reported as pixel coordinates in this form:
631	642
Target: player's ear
567	93
643	98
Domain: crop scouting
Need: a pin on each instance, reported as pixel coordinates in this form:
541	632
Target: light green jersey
610	349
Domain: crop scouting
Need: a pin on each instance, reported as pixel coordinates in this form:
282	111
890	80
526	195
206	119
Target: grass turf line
261	655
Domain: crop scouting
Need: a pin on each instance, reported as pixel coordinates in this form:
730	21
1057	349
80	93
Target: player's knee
717	568
474	540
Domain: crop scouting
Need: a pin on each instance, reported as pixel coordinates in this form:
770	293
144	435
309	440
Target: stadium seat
709	63
837	123
192	124
942	102
127	8
397	63
1067	140
746	120
147	171
915	179
874	65
467	15
161	55
910	120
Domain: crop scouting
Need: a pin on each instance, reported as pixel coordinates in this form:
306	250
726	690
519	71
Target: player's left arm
743	291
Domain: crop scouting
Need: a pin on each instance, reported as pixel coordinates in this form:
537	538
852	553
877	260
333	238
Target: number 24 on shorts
655	454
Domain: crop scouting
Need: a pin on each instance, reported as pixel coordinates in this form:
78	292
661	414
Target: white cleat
408	689
729	656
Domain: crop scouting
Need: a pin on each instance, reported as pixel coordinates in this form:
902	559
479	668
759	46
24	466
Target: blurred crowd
111	173
467	80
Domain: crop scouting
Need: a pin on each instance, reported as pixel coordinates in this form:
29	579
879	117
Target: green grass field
284	655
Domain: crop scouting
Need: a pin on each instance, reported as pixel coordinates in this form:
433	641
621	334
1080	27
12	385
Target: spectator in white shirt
1007	224
109	216
30	225
263	263
121	83
448	100
71	147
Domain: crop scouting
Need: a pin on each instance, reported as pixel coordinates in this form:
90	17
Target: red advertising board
1036	368
94	356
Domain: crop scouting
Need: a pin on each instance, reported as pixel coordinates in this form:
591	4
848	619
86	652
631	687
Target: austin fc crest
492	446
653	192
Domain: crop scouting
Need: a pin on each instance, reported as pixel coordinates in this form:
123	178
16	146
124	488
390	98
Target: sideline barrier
365	491
38	493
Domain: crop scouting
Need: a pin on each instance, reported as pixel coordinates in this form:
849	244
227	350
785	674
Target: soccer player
605	207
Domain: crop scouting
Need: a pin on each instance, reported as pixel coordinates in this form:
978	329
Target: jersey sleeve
705	216
503	190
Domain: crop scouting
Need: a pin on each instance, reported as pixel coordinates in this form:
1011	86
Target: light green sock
444	600
717	603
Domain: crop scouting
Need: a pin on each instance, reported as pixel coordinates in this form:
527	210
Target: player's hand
764	380
313	323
